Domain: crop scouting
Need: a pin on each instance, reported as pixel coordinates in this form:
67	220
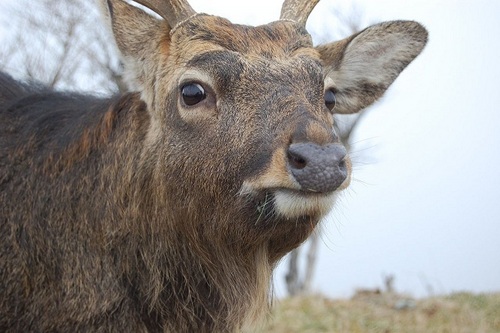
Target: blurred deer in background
166	209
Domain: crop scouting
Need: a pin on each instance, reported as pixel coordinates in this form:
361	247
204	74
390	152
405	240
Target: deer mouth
291	204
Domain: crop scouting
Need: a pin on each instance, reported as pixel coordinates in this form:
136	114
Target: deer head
242	117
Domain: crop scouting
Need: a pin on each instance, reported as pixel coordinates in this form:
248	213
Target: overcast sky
424	204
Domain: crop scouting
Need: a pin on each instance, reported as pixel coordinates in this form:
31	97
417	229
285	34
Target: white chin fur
292	204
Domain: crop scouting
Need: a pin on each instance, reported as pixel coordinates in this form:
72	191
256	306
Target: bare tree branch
63	44
301	283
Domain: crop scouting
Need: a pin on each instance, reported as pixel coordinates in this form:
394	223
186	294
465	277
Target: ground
372	311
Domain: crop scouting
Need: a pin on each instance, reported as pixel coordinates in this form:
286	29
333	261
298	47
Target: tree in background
299	278
62	44
65	45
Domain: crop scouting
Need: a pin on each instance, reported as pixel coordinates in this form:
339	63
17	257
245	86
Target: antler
173	11
297	10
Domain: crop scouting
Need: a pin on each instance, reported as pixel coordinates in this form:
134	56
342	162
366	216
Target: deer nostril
342	165
296	161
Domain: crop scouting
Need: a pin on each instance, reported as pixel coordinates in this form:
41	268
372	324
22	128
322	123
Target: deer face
244	115
257	102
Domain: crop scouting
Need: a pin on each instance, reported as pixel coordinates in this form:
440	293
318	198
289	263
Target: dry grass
386	313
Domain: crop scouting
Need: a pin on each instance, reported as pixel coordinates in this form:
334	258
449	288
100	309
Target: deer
167	208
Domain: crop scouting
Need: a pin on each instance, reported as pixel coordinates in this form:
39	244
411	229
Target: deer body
166	209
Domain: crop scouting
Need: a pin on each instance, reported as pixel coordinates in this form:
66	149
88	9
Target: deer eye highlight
330	99
192	93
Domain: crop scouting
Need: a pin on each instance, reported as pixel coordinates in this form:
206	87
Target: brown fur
139	213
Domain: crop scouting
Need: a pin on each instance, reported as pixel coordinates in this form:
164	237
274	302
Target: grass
386	313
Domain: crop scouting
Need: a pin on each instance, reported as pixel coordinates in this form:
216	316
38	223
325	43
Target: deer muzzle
304	178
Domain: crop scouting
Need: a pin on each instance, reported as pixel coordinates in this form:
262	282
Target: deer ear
364	65
137	35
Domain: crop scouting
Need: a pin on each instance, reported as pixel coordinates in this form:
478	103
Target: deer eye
192	93
330	99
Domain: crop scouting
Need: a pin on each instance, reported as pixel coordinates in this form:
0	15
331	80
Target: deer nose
318	168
